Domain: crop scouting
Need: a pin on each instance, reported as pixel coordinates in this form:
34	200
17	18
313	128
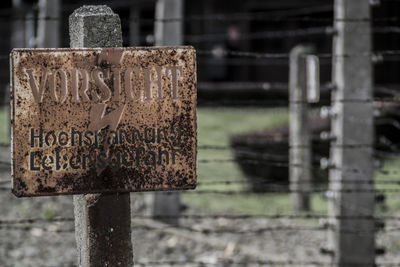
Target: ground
199	241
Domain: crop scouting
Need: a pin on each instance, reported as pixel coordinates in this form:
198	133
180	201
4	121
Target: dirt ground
51	243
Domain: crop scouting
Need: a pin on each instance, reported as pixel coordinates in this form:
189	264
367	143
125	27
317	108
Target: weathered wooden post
351	238
299	136
102	221
168	31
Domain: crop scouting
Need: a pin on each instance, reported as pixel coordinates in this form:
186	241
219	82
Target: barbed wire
261	102
181	227
228	262
258	16
306	228
215	37
252	54
273	190
208	231
29	228
258	262
272	16
296	263
288	190
35	220
277	216
24	226
326	86
244	147
244	156
328	30
245	85
213	147
282	188
228	17
14	224
261	181
255	16
265	159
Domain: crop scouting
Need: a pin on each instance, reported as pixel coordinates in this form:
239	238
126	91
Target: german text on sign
103	120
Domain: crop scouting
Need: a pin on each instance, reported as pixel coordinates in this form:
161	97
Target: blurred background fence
242	212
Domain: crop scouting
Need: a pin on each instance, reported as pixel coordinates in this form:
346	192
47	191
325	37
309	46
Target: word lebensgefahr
136	148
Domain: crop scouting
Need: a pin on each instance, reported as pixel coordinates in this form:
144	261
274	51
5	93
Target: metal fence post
299	136
168	31
352	240
102	221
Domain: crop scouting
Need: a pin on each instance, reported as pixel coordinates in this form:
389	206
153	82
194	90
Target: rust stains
103	120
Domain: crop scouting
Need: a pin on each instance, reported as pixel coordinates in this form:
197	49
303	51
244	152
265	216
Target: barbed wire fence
361	181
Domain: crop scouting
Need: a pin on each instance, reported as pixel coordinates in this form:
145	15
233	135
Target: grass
49	213
4	122
389	172
215	127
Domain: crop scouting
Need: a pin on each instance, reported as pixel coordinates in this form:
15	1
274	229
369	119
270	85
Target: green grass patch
388	177
4	122
217	125
256	204
215	128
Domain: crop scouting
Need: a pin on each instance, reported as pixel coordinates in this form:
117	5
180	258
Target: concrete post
17	41
18	25
102	221
299	136
48	34
134	24
169	25
30	28
168	31
352	125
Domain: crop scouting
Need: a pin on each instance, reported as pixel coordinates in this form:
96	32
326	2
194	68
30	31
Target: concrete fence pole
17	40
102	221
299	132
168	32
351	239
48	28
134	23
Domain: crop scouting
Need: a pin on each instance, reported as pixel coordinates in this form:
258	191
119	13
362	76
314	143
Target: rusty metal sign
103	120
